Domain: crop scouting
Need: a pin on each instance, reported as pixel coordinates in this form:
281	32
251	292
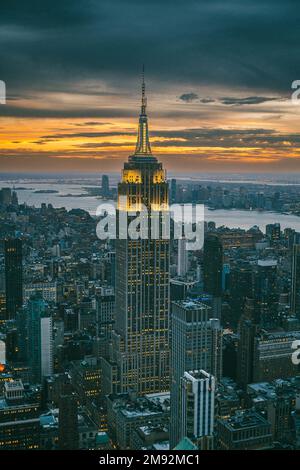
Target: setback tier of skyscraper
140	349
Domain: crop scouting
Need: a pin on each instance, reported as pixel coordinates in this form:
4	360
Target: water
68	196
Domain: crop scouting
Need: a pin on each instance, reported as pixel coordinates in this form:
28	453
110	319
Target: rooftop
267	262
244	419
191	304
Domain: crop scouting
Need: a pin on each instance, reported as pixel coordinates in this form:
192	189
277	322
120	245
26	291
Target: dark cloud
206	100
55	43
200	137
248	100
95	145
218	137
235	101
87	134
72	112
91	123
189	97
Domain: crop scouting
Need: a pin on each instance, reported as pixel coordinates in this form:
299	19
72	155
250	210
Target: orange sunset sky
218	85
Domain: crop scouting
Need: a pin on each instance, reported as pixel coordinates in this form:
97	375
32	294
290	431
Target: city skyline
219	85
149	271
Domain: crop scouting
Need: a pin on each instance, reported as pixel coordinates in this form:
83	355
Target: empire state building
140	347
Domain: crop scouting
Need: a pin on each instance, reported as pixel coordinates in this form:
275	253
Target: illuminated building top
143	148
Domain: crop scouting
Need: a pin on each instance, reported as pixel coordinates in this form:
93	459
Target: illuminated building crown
143	147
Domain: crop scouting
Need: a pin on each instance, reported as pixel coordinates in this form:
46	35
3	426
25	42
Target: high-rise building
245	353
295	298
105	317
196	345
105	186
2	354
273	232
241	288
5	196
68	435
212	270
173	190
180	288
182	264
39	339
197	403
46	346
13	276
141	337
266	292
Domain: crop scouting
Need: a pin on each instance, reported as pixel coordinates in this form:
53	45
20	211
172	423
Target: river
67	196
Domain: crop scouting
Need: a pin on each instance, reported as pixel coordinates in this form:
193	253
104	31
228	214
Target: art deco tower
141	337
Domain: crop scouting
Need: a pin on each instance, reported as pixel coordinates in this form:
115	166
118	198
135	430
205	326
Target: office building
39	339
129	412
47	290
13	276
182	263
105	318
68	433
173	191
245	351
266	293
196	345
295	296
273	232
246	430
2	353
273	355
105	186
141	336
197	403
212	270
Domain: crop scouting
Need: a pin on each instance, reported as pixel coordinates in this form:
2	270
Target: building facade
141	336
197	403
196	345
13	276
295	298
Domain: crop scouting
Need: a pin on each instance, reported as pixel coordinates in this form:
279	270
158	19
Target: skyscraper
46	345
13	276
196	345
266	292
173	190
295	300
2	354
68	436
105	309
245	356
197	402
39	339
141	337
105	186
212	270
273	232
182	265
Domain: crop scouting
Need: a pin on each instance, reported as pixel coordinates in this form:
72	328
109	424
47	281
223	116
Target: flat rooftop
244	420
191	304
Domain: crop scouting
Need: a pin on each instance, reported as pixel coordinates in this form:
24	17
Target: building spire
144	99
143	143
